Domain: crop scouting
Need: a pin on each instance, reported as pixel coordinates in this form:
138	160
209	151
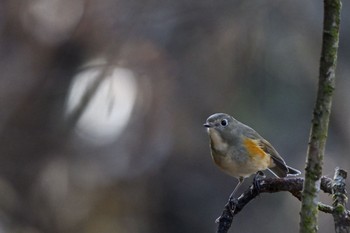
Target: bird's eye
224	122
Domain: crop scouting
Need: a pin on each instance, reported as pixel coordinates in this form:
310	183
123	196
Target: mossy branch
321	114
340	214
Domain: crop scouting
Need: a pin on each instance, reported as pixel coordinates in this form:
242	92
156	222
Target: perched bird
240	151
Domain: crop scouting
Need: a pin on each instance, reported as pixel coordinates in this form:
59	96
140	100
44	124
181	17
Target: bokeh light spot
109	109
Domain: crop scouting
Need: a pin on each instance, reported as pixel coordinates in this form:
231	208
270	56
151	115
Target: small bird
240	151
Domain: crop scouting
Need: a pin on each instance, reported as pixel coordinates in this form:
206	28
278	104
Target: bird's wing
280	168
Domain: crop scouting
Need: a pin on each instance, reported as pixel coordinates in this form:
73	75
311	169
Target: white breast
217	141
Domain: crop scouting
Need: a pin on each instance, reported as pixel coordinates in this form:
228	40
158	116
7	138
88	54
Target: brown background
257	60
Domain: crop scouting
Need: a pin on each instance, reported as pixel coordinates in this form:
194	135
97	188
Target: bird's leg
233	201
256	179
240	181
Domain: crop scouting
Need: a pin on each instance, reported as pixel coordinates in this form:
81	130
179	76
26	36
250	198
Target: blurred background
102	105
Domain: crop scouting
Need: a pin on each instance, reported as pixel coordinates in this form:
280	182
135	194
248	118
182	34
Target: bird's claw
232	202
259	175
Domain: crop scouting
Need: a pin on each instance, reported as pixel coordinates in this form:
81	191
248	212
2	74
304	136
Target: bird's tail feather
293	171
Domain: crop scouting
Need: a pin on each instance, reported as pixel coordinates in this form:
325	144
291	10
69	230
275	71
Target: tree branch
340	214
321	114
268	185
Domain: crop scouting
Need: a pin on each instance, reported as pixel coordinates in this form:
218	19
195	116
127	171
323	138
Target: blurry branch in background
74	116
294	186
321	115
313	182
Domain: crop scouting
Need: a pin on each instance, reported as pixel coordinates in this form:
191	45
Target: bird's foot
256	181
231	206
232	202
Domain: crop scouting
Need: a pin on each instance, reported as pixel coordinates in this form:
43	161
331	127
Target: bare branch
268	185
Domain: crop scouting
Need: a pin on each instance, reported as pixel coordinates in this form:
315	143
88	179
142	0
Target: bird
240	151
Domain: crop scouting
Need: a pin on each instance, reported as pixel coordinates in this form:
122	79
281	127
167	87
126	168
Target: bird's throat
217	143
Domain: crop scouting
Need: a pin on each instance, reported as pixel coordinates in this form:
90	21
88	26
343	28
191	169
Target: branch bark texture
340	214
269	185
293	185
321	114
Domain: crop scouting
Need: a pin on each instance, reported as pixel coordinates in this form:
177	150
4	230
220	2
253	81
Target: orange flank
253	148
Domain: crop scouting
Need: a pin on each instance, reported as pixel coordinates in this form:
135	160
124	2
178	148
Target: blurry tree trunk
33	132
321	114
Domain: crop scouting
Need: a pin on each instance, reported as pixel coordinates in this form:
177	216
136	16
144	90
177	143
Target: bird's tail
293	171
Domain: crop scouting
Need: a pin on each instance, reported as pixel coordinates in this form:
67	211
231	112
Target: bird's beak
207	125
